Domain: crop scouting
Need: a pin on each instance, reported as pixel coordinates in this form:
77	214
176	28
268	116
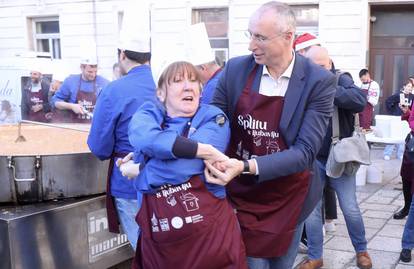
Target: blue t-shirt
70	86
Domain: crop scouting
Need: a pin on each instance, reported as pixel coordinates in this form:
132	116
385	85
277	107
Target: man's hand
77	109
403	108
209	153
37	107
129	169
127	158
230	169
49	115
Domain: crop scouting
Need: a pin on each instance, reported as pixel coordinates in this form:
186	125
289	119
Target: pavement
378	203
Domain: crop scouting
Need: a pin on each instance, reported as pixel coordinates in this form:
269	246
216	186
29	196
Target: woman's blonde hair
176	68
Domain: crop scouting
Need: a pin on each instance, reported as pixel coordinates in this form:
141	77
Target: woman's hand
228	170
129	169
209	153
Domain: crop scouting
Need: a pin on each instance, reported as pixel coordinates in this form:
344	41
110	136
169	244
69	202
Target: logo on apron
171	200
194	219
190	201
154	221
36	100
177	222
272	147
165	227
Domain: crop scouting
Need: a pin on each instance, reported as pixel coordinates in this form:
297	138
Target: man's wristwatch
246	167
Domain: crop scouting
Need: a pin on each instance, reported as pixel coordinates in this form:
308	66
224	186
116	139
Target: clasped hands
219	169
127	166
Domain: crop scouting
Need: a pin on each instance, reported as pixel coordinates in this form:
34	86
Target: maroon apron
111	212
268	212
36	98
185	226
365	117
61	116
87	100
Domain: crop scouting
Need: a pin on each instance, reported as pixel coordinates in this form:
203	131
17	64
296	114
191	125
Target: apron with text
268	212
36	99
185	226
87	100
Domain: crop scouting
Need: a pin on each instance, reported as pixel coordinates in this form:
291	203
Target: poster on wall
10	97
14	77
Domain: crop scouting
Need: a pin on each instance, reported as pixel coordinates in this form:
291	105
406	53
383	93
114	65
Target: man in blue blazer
279	105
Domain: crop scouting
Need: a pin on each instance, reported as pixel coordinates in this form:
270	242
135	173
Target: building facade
358	33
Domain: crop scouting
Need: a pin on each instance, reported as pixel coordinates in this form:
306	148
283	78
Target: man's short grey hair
285	15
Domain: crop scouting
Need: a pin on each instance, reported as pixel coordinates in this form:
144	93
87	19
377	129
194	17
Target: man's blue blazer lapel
293	94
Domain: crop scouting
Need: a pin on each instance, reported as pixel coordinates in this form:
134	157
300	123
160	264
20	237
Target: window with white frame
46	36
307	19
217	25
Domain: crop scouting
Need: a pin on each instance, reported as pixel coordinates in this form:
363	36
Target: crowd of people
217	167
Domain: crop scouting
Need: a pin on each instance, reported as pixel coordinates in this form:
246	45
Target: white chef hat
166	53
198	45
135	30
134	43
88	52
35	64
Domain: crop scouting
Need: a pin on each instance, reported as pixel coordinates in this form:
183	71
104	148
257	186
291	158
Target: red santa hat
305	40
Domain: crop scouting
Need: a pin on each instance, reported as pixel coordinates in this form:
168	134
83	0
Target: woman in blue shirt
186	222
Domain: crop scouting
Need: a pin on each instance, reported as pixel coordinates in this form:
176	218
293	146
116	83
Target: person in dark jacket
279	104
35	101
349	99
407	164
392	106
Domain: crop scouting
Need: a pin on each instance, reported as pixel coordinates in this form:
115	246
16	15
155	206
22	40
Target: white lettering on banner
10	96
5	90
168	190
250	123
